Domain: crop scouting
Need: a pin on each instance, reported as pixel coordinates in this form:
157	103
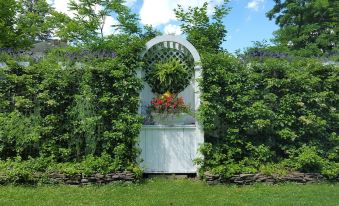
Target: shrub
265	112
73	110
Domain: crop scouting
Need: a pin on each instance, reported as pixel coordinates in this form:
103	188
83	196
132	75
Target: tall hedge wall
73	110
80	115
269	116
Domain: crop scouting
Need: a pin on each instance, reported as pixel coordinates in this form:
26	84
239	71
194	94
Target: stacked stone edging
72	179
83	179
241	179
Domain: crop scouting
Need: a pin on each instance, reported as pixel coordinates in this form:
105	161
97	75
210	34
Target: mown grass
172	192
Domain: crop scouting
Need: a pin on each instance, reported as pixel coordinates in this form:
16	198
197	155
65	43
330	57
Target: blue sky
245	23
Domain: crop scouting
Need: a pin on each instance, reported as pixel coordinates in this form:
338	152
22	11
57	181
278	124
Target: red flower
168	103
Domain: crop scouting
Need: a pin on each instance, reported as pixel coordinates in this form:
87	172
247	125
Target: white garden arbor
165	148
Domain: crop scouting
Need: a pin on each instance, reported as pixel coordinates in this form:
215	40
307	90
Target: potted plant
169	76
168	109
167	79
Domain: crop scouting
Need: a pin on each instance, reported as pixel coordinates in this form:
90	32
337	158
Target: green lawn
172	192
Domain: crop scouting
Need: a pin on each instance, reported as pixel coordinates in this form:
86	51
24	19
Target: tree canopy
308	27
205	33
23	22
90	17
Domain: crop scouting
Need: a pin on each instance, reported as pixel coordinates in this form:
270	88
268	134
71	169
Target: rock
108	179
257	176
92	179
99	176
84	180
72	182
211	176
239	181
76	177
57	175
262	179
100	182
129	175
247	175
298	177
294	179
275	176
234	177
120	174
129	178
270	180
314	175
297	174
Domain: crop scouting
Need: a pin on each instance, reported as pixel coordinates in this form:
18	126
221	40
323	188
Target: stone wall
75	179
259	177
83	179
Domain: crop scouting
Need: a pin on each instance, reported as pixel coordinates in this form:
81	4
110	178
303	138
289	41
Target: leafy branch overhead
205	33
22	22
90	18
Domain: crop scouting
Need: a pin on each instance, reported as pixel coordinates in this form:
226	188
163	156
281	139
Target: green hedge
269	116
68	110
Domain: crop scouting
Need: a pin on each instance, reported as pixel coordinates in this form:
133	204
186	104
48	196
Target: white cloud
97	8
155	12
172	29
108	29
130	3
255	4
62	6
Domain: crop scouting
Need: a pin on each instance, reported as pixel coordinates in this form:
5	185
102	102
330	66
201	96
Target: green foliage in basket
171	75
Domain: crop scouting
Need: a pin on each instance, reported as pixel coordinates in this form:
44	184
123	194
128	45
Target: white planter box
169	118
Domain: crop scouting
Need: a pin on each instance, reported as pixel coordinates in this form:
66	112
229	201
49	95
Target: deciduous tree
309	27
204	32
23	22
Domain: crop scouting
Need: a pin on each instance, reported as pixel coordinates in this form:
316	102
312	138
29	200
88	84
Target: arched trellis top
182	49
175	39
